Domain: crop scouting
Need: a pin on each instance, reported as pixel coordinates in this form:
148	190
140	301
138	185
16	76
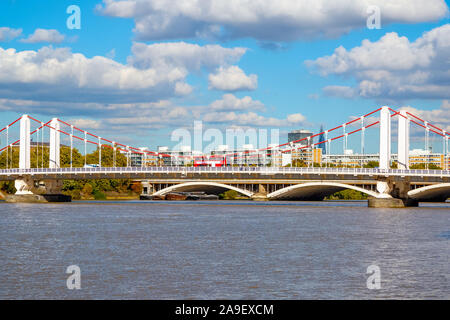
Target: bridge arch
315	191
436	192
209	187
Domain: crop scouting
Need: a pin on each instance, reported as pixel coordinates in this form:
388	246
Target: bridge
385	186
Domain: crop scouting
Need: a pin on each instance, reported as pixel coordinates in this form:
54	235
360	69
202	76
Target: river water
223	250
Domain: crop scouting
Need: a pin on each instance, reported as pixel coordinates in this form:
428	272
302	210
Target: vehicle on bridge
210	161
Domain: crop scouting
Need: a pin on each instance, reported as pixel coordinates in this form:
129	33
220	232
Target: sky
138	70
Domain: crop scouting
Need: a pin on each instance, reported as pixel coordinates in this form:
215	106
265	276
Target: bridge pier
392	203
28	189
31	191
261	195
393	195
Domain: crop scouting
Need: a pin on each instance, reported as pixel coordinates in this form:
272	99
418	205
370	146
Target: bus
211	161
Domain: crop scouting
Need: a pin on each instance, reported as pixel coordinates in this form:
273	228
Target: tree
299	163
87	189
423	166
77	158
136	187
372	164
107	158
12	157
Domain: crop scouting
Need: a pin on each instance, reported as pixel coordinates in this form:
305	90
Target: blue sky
283	90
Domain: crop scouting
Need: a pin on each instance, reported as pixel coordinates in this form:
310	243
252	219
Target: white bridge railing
218	170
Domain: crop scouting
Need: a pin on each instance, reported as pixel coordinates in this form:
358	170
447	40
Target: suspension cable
37	148
99	152
114	154
71	147
7	147
42	144
85	149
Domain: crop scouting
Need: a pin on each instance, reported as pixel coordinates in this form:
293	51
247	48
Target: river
223	250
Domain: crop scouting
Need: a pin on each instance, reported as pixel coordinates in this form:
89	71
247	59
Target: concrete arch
436	192
208	187
315	191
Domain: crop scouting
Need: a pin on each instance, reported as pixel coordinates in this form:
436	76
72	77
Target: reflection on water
231	250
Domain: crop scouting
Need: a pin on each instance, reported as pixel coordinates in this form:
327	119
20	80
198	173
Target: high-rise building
322	145
296	135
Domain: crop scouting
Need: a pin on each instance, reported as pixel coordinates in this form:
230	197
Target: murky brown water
231	250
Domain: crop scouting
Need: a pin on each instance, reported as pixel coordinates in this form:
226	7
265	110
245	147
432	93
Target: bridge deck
247	173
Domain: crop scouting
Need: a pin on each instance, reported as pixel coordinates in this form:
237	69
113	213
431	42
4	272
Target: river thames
223	250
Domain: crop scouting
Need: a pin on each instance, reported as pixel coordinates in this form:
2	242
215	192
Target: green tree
12	157
422	166
87	189
77	158
372	164
348	194
107	158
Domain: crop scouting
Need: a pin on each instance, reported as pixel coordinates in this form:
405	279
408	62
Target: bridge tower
27	188
25	184
384	186
403	141
393	193
385	138
24	153
55	141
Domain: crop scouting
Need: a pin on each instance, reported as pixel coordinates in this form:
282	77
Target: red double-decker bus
212	161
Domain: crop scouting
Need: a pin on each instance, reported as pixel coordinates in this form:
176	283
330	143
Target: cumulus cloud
58	74
231	110
7	34
88	109
231	102
118	119
265	20
438	117
192	57
86	124
252	119
44	35
232	78
392	68
296	118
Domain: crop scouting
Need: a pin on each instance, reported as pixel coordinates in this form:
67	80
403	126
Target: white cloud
60	75
296	118
153	72
393	68
265	20
7	34
87	109
438	117
183	55
244	112
44	35
118	119
86	124
232	79
231	102
252	119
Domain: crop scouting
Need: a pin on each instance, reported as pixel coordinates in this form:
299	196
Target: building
296	135
349	159
273	155
309	156
141	159
419	157
323	144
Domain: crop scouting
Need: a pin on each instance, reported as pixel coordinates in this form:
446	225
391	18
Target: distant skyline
139	69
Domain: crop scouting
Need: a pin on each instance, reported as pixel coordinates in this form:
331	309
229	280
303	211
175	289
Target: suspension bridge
41	180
